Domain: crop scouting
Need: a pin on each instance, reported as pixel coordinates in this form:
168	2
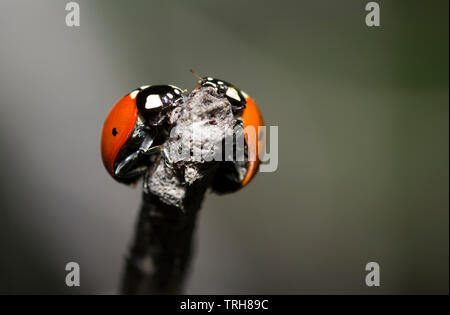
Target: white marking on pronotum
219	82
134	94
176	90
231	92
153	101
209	79
144	87
170	95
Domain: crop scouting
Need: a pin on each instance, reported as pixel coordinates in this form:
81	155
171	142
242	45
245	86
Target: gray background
363	150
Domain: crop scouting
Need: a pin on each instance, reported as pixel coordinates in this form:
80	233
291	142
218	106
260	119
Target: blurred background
363	151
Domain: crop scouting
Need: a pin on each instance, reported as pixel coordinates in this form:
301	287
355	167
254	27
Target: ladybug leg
135	163
237	107
146	146
159	149
131	166
167	160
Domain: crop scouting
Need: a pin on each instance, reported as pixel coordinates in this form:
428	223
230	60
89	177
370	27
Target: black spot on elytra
114	132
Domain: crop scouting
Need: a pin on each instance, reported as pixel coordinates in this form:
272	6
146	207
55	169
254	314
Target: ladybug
233	94
133	129
233	175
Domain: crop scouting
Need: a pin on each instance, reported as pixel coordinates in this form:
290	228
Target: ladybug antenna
196	75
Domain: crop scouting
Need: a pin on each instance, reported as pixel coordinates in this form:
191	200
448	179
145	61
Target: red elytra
251	116
117	129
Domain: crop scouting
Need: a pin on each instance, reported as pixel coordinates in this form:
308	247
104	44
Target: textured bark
173	192
159	258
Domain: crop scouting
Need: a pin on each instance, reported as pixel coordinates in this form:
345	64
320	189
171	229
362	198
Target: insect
234	175
132	129
233	94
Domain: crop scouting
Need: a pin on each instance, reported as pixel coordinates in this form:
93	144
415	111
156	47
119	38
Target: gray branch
174	188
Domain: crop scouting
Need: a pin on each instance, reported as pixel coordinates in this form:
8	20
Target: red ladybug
128	138
135	127
230	176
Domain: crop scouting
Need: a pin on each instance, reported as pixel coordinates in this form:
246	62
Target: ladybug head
153	101
233	94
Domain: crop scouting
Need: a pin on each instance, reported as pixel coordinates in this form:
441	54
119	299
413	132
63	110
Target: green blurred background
363	149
